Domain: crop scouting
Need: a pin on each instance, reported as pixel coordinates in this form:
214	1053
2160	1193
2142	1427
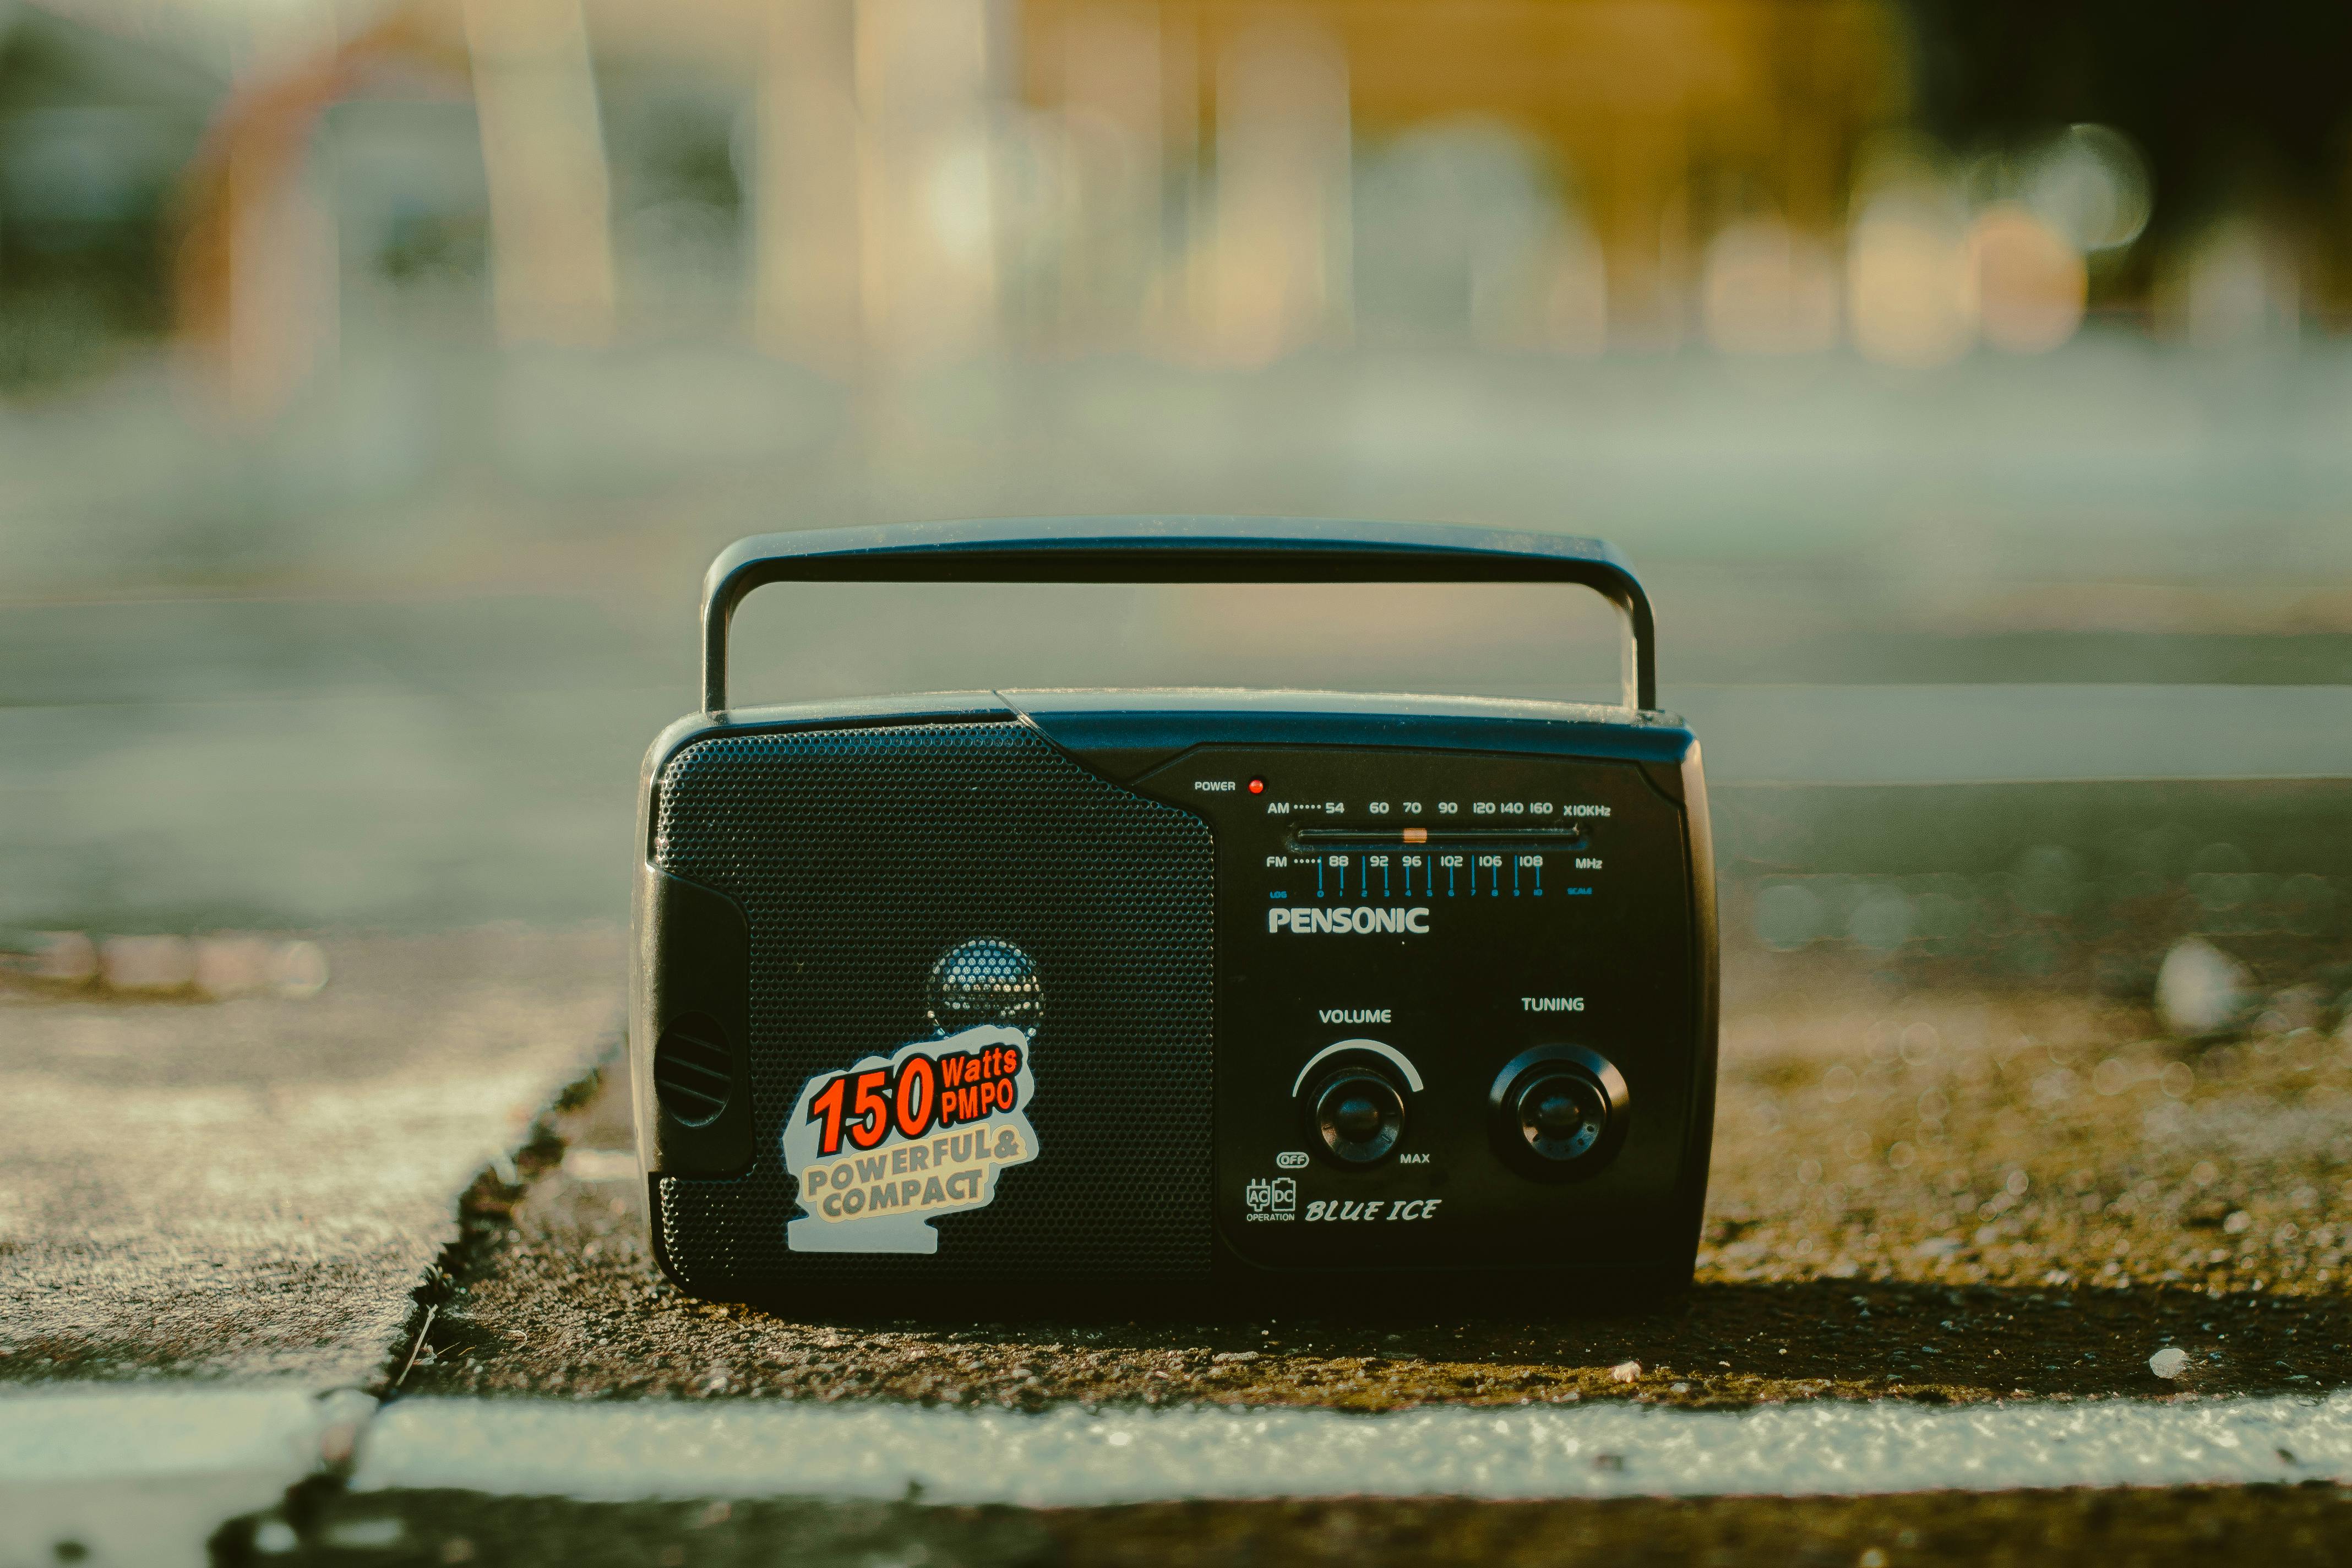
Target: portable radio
1140	990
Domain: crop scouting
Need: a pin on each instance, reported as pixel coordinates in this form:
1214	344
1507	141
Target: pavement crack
486	1205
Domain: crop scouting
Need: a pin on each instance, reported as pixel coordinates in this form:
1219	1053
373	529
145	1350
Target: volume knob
1358	1114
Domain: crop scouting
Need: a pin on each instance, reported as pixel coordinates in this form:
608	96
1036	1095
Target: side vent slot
694	1072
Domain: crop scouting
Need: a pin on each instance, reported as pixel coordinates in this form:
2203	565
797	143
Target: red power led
1257	786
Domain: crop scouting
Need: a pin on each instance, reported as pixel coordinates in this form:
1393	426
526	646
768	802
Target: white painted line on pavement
1068	1458
145	1475
85	1434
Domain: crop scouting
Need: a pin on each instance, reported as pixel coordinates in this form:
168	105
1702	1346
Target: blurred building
1534	174
856	183
96	124
1212	181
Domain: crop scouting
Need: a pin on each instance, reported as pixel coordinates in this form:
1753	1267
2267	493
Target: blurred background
1971	381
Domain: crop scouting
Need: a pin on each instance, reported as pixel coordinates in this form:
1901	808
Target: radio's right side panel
1462	1017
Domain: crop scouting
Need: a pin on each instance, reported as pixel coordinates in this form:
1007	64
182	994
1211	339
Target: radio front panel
1396	930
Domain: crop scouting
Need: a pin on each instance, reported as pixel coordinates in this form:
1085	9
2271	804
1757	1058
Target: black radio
1152	988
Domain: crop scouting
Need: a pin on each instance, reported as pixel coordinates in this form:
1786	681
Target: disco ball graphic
983	981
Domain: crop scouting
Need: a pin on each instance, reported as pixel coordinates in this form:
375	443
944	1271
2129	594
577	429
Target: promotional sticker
885	1147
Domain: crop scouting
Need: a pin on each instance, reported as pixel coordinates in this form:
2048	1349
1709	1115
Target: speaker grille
861	857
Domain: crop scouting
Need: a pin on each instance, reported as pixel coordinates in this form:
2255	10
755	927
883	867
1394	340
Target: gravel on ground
1939	1197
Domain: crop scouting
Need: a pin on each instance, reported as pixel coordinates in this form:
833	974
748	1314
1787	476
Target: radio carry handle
1175	550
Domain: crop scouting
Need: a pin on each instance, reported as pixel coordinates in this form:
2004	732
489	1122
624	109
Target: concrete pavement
1933	1213
252	1188
215	1216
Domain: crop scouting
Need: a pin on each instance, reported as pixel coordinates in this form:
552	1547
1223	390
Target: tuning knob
1558	1112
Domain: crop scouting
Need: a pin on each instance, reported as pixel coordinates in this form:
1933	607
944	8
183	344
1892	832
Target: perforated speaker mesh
861	857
